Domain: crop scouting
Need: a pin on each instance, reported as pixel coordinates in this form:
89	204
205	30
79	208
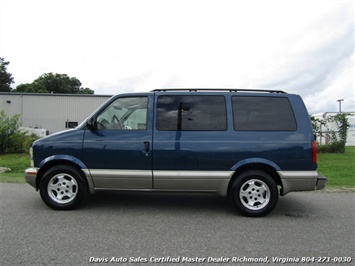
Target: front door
118	150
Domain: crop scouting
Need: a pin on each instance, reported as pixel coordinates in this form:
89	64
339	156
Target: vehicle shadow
158	201
292	206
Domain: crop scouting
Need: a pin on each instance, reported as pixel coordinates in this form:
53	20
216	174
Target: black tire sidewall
267	179
72	171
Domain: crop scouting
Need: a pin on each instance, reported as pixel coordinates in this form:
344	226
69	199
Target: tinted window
191	113
263	113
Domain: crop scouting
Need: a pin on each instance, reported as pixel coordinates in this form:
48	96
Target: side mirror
90	124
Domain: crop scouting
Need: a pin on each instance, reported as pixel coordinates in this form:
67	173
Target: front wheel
63	187
254	193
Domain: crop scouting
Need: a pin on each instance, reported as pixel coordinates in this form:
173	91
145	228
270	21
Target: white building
51	112
324	137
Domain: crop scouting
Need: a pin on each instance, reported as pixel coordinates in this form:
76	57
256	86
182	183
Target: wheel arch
266	168
63	160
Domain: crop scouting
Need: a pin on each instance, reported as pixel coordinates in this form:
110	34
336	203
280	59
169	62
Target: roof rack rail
227	90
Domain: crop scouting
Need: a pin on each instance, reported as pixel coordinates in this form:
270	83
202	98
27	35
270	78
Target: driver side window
124	114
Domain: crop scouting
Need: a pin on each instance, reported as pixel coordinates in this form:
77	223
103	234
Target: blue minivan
249	145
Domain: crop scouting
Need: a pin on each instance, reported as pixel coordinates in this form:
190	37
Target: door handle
146	146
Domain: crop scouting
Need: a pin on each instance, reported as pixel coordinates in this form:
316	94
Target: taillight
314	151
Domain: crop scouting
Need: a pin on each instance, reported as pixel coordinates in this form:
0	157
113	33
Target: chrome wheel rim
62	188
254	194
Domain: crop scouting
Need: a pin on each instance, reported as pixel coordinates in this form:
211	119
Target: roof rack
227	90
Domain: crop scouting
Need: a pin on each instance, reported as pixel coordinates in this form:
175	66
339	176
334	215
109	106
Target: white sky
303	47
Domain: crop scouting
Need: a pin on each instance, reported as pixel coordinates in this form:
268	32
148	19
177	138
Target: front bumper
30	176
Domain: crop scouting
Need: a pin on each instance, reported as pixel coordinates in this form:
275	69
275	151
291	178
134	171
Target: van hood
65	135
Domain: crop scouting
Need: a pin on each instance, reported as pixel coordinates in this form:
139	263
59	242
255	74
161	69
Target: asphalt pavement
174	229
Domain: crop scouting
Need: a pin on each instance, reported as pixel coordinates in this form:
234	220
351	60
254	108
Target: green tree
30	88
54	83
6	78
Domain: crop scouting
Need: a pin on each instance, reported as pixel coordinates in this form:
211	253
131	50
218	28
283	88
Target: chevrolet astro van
249	145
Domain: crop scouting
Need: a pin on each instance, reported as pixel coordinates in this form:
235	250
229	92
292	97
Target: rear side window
191	113
263	114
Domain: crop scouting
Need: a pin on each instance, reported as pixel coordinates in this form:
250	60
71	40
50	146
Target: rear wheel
63	187
254	193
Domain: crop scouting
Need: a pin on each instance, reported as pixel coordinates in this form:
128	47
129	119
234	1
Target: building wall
50	111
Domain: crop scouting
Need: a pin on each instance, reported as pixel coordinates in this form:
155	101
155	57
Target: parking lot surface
172	229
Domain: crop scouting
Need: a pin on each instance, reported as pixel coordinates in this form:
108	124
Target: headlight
31	157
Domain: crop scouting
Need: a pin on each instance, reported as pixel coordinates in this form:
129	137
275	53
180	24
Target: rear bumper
301	181
321	181
30	176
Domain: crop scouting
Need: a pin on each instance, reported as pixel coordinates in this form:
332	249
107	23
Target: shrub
11	138
28	141
335	147
337	137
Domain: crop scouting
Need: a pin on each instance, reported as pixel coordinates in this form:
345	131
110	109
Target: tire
254	193
63	187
